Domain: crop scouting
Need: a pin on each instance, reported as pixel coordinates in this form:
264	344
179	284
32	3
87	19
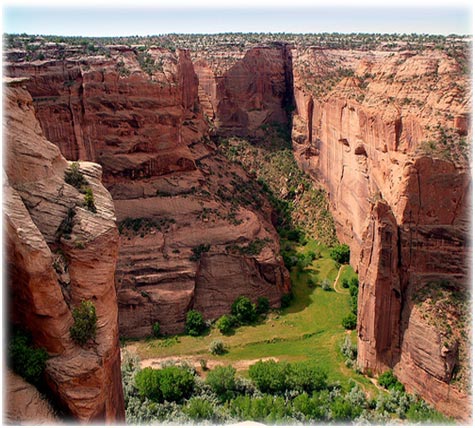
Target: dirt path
337	278
195	361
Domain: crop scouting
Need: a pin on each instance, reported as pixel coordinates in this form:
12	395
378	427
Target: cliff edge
59	254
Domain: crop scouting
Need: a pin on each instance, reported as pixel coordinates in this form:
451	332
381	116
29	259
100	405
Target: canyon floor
310	328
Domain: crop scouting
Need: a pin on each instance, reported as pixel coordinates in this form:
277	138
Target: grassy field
309	329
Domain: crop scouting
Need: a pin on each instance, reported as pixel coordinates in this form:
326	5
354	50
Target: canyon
385	131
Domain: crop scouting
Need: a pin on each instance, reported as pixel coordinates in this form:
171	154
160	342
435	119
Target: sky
119	18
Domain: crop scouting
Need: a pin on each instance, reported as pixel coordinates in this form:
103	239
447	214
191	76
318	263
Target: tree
89	200
195	323
176	383
389	381
147	382
217	347
75	177
24	359
286	300
244	310
340	253
349	322
222	381
85	323
225	324
262	305
199	409
269	376
156	329
306	376
168	384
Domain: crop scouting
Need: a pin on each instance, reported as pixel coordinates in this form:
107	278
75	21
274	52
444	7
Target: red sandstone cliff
384	131
381	132
245	93
49	273
149	134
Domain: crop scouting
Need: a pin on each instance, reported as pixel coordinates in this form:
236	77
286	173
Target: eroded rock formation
384	131
386	144
243	94
51	270
173	193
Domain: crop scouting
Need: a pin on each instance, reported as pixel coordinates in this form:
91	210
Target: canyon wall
387	140
386	132
49	271
241	92
187	216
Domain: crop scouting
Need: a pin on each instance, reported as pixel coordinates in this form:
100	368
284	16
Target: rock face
384	144
25	403
173	192
384	131
245	94
50	269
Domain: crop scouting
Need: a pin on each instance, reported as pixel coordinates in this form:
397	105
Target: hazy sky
109	21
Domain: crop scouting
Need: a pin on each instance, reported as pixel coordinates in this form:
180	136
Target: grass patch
310	328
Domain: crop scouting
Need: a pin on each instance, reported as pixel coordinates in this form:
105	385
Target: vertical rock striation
51	270
172	190
245	94
376	141
384	131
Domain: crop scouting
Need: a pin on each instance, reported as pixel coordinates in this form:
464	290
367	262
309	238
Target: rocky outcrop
59	254
245	94
398	182
384	131
25	403
138	114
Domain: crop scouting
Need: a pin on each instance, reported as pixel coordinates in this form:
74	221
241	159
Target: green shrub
303	261
326	286
312	255
225	324
89	200
85	323
345	283
176	383
340	253
311	407
270	376
244	310
306	376
290	260
343	411
203	364
195	323
217	347
222	381
286	300
199	409
262	305
198	250
389	381
147	382
156	329
267	409
75	177
24	359
66	227
354	295
349	350
349	322
168	384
